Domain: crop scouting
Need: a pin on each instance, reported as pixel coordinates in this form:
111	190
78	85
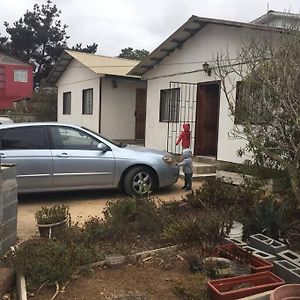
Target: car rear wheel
139	182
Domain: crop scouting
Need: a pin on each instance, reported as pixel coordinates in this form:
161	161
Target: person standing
185	136
187	168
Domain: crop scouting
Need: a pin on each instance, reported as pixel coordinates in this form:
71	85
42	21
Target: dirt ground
157	277
82	204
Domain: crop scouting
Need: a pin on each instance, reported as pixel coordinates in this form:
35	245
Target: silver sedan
53	156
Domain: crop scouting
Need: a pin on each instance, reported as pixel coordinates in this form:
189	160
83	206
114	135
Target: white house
181	87
94	91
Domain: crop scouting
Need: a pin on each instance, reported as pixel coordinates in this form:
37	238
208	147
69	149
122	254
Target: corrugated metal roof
186	31
9	60
271	14
97	63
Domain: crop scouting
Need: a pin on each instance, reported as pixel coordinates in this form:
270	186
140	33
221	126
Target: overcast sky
141	24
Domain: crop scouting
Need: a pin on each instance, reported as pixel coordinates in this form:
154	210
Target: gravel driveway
82	204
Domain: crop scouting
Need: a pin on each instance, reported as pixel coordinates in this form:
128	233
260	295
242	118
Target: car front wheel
139	182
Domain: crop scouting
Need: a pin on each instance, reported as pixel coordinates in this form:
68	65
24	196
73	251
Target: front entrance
140	114
207	119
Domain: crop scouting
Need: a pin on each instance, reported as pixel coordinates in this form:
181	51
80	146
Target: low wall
8	207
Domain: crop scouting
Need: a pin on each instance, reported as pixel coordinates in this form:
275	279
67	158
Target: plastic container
286	292
236	231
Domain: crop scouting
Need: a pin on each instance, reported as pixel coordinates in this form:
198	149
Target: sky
140	24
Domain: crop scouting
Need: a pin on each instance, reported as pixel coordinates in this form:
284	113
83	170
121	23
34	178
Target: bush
128	217
45	261
53	214
205	229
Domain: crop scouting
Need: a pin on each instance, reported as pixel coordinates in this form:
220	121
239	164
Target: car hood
146	150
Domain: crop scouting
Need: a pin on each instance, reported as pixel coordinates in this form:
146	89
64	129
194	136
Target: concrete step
204	168
199	177
205	159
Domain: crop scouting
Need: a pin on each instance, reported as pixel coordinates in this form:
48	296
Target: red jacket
185	136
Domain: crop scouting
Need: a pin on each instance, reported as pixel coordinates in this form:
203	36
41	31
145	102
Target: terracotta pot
243	286
51	230
286	292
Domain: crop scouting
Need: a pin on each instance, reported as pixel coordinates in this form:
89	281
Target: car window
70	138
23	138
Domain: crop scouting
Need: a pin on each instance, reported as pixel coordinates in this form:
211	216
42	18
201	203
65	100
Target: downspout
100	93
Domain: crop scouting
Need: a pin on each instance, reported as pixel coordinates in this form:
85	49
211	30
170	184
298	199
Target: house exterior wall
75	79
118	108
200	48
11	90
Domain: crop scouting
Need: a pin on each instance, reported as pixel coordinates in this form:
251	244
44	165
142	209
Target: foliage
204	229
195	289
44	262
268	69
39	38
96	229
134	54
53	214
88	49
127	217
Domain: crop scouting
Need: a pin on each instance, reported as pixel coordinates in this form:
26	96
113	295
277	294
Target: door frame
206	83
136	100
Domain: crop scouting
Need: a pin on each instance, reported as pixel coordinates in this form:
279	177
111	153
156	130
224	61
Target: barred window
87	102
169	105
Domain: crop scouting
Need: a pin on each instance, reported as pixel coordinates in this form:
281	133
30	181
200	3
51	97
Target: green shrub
193	289
205	229
47	261
53	214
128	217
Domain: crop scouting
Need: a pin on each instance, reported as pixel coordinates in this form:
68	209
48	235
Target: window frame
46	138
89	111
166	95
67	110
23	76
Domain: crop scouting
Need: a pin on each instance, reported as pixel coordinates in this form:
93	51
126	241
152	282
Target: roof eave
190	28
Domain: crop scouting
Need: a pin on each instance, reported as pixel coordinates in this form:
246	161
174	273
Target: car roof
14	125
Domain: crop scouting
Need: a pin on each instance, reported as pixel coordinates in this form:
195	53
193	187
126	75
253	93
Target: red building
16	81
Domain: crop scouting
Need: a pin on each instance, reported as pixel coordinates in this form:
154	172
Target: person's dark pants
188	180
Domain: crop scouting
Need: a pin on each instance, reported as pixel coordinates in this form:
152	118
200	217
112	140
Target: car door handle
2	155
63	155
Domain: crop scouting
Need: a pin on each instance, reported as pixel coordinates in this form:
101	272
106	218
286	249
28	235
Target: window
70	138
249	105
169	105
87	102
21	75
67	103
23	138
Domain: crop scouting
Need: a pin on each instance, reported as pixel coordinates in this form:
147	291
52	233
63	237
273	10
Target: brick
260	254
287	271
266	244
290	256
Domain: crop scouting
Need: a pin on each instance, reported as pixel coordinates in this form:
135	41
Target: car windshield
117	144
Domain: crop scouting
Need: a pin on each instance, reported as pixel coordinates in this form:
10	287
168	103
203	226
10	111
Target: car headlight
170	160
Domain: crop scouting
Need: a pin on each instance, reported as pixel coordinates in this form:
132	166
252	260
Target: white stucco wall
199	49
75	79
117	104
118	108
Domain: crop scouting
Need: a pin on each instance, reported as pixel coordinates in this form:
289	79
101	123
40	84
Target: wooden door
207	118
140	113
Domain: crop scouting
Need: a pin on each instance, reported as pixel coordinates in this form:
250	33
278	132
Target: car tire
139	182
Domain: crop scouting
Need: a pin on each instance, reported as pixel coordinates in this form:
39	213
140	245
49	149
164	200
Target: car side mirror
102	147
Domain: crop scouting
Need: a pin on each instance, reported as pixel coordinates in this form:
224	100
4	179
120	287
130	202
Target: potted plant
51	220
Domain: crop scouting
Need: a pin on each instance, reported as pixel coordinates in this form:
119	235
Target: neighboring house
94	91
16	81
181	87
